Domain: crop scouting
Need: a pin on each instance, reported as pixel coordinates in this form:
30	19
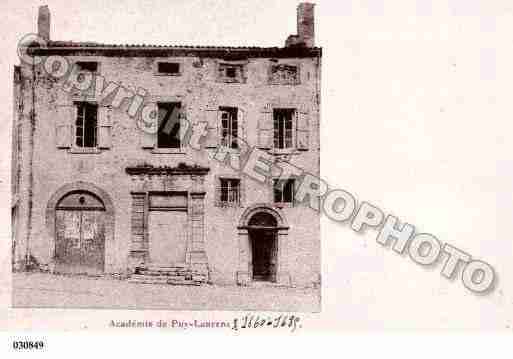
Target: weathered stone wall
197	89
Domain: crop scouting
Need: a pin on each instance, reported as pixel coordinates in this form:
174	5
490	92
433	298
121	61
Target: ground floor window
229	190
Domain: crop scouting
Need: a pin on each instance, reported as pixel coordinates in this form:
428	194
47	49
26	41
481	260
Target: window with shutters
86	125
229	191
229	127
168	135
283	120
283	191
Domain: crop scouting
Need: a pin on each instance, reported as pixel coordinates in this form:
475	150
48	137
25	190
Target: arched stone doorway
80	220
263	233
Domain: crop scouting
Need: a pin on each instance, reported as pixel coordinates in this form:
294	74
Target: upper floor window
284	191
283	119
229	190
231	73
284	74
168	135
168	68
229	126
91	66
86	124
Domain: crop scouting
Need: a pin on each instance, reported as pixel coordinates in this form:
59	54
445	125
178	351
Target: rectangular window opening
168	135
91	66
284	74
231	73
169	68
284	191
86	124
229	127
229	190
283	126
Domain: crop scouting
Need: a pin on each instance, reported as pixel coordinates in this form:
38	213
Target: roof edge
94	49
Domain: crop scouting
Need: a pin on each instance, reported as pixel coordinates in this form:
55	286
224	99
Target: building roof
145	50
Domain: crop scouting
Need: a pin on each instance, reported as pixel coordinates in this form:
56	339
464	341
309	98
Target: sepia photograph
164	176
284	177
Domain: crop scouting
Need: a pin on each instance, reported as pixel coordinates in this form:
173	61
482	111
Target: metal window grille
229	190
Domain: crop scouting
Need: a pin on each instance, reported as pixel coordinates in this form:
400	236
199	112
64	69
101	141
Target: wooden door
264	254
80	235
67	253
92	240
167	236
273	267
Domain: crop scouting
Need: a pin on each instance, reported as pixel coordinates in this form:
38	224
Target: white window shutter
148	140
241	134
104	127
149	128
184	124
66	117
241	119
211	117
265	128
302	130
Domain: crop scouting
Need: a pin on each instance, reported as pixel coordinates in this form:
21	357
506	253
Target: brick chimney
305	23
43	22
305	27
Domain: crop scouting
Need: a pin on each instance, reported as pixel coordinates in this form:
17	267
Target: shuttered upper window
83	127
283	129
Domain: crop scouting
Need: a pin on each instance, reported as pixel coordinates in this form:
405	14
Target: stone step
148	280
166	267
172	274
168	281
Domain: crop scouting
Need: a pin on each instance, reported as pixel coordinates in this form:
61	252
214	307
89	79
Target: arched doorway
262	230
80	233
262	234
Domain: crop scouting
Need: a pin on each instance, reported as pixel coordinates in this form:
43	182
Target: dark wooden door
264	254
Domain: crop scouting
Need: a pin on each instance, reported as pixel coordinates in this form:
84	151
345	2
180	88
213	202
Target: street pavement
43	290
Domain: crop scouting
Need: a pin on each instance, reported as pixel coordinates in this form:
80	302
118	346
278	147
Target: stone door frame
146	180
244	272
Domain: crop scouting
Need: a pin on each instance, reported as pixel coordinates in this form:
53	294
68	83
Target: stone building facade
95	190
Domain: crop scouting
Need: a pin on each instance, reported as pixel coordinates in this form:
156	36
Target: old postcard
162	166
